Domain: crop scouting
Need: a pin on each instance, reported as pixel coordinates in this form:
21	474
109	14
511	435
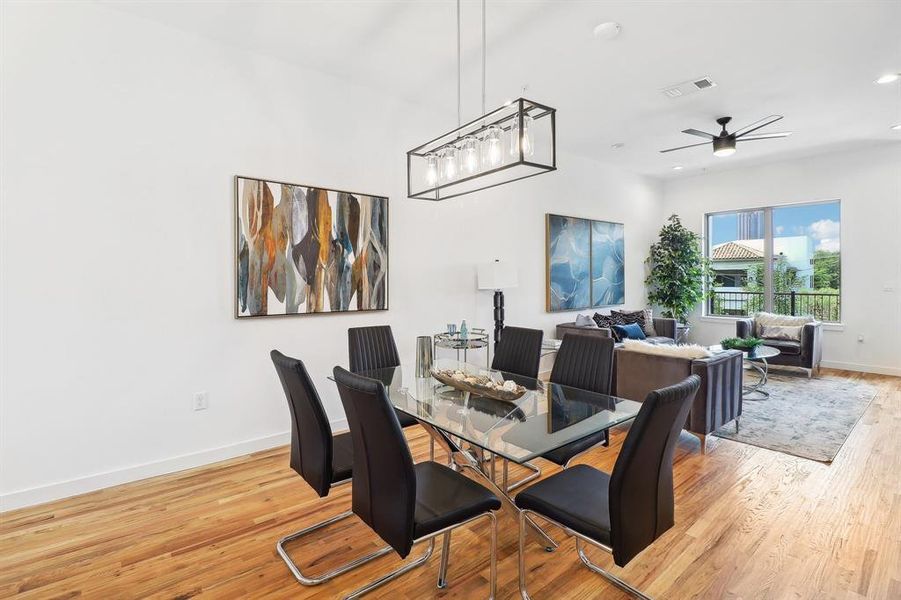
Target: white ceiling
813	62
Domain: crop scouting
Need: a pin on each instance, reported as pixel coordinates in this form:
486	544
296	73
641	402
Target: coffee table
757	359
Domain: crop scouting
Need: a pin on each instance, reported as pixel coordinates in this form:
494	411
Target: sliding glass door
784	259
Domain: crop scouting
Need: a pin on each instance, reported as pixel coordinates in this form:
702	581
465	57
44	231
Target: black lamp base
498	315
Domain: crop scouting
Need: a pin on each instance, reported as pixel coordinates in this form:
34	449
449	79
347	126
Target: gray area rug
810	418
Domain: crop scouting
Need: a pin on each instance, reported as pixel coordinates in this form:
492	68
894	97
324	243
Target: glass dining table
474	429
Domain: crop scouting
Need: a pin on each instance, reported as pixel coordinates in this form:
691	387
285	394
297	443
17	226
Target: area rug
810	418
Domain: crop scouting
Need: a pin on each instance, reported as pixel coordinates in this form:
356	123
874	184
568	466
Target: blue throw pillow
632	331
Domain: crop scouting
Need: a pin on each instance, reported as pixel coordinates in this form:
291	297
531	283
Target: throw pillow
631	331
781	332
608	321
644	317
765	318
584	321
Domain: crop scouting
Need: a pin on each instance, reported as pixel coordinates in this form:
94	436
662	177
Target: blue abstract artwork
568	263
608	265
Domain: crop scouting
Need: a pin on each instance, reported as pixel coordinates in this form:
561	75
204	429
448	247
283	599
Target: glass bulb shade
431	170
449	163
889	78
470	154
526	137
492	151
724	152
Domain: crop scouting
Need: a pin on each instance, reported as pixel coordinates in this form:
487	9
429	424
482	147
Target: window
784	259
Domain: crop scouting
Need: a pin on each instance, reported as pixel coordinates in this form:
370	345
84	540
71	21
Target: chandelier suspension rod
459	70
484	54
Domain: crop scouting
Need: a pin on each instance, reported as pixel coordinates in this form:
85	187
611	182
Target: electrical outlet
201	400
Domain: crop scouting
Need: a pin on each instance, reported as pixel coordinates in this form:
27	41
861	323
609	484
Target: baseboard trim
878	369
91	483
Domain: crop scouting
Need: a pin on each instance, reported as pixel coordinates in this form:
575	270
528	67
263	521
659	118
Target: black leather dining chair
623	512
372	348
405	503
323	460
584	362
518	352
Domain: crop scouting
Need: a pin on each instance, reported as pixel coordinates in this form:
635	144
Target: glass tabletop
545	417
758	353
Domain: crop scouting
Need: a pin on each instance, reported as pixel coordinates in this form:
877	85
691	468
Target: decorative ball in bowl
743	344
479	384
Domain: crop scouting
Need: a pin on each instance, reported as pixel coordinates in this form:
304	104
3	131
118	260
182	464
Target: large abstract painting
304	250
608	265
585	263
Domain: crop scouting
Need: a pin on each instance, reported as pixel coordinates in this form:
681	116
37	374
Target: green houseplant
678	271
743	344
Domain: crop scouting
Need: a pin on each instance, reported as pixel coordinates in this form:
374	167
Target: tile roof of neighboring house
735	251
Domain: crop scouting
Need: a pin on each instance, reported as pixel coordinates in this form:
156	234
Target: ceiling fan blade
703	134
684	147
764	136
756	125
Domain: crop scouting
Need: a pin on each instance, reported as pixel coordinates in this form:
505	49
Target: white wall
868	183
120	142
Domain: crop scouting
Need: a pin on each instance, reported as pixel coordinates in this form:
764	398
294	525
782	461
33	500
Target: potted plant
679	272
743	344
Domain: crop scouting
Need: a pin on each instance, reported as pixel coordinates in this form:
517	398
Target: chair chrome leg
428	553
608	576
307	580
522	556
445	556
737	419
393	574
536	473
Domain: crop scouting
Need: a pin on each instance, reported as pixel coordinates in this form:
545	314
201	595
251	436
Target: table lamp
497	276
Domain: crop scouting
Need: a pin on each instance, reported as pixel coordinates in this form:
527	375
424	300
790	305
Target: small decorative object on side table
475	338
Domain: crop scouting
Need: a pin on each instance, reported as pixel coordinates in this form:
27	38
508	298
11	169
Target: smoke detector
688	87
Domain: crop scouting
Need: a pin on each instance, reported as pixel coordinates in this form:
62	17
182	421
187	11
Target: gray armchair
806	354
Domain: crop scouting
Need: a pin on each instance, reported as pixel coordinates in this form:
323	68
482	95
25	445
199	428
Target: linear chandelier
515	141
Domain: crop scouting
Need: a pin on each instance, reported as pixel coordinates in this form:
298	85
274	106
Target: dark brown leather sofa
718	401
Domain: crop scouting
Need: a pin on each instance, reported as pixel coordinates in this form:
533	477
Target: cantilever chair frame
316	580
445	556
524	520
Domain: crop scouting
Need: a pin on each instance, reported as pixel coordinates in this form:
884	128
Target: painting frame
237	233
550	247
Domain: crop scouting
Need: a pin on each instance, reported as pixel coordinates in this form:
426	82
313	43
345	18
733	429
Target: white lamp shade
497	276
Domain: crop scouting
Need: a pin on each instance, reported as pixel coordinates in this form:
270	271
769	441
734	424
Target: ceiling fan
724	143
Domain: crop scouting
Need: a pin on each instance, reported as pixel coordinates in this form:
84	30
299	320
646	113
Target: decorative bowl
479	384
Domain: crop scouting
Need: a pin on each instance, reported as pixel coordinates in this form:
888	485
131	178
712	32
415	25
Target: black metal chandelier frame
504	117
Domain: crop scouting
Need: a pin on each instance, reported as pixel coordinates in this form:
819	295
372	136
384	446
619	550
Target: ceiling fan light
896	127
724	146
888	78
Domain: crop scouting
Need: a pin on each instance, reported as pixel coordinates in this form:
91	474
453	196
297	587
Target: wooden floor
750	523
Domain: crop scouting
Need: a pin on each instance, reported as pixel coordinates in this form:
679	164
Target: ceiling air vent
688	87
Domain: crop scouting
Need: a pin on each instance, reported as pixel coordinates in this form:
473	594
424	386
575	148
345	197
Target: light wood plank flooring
750	523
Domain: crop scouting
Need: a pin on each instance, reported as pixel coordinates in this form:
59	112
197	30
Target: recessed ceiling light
888	78
617	145
896	127
678	168
608	30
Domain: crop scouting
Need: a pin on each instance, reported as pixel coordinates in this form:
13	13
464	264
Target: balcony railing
823	306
